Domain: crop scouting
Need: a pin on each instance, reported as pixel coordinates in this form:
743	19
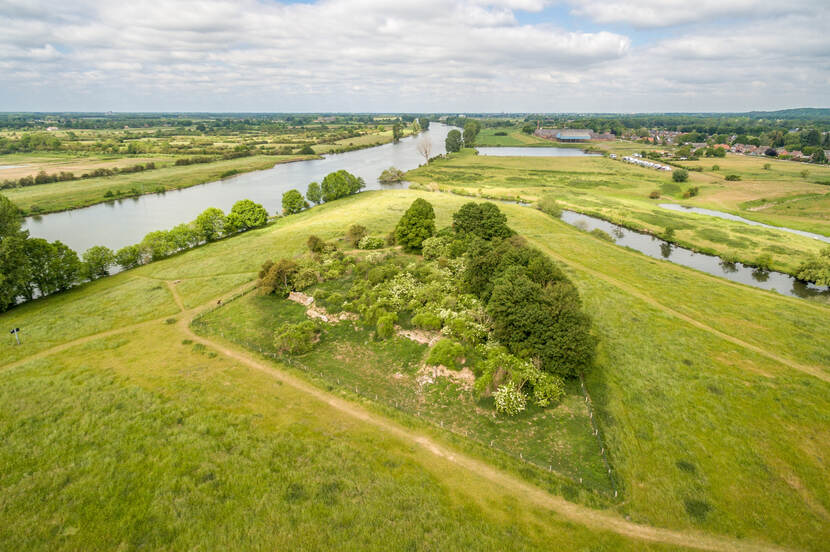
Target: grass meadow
618	192
141	439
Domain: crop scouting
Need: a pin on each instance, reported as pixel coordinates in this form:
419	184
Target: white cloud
377	55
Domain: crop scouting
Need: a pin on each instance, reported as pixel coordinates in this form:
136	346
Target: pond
728	216
661	249
126	221
534	152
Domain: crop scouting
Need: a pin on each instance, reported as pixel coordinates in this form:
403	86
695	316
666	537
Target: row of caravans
637	160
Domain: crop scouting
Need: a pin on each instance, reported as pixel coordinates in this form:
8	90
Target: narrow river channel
126	221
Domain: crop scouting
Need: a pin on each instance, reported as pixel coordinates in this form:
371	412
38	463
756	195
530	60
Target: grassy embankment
711	421
60	196
618	192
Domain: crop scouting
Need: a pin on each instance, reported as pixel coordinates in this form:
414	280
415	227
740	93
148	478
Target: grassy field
619	192
713	399
347	357
29	164
60	196
515	137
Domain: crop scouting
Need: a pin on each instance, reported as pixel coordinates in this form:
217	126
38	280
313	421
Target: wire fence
595	427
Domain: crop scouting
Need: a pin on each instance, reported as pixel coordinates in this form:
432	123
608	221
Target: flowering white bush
399	291
509	400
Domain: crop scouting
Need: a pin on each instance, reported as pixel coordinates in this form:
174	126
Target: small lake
661	249
126	221
728	216
534	152
4	167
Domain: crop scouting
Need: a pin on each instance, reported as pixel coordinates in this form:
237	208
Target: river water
728	216
126	221
661	249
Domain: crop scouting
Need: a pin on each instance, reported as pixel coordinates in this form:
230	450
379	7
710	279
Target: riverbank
42	199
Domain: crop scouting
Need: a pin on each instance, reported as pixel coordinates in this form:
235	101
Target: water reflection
118	223
660	249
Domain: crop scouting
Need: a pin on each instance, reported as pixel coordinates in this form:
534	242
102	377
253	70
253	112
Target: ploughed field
121	427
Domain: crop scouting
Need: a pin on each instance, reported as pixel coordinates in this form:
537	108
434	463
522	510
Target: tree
453	141
542	322
391	175
296	339
416	225
819	156
183	236
680	175
340	184
817	269
425	148
293	202
157	245
245	214
314	194
210	224
129	256
397	131
278	278
528	128
471	130
424	123
15	272
485	220
98	260
306	150
10	219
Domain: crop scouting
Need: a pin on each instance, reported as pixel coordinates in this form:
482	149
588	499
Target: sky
414	56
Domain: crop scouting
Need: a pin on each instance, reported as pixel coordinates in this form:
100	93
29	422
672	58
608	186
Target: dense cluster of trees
33	267
503	308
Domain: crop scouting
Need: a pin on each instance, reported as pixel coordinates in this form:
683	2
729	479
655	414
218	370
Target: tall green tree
340	184
98	260
485	220
471	130
453	141
210	224
416	225
245	214
293	202
314	193
424	123
128	256
397	131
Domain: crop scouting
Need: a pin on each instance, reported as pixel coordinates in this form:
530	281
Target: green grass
140	442
60	196
701	431
619	192
386	371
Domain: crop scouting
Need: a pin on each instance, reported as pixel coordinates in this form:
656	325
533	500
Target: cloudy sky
414	55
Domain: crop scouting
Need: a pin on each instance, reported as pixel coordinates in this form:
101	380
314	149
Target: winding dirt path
595	519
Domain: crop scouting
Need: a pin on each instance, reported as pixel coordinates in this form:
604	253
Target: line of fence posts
598	434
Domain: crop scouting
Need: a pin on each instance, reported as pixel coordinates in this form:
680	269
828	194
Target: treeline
63	176
33	267
334	186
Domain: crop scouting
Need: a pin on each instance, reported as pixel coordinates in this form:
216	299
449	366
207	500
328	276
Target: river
126	221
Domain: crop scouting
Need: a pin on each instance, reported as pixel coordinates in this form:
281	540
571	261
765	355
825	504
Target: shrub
426	321
305	278
601	234
767	166
764	262
315	244
435	247
391	175
416	225
245	214
548	205
509	400
293	202
446	353
654	195
732	177
386	326
715	167
355	233
547	388
296	339
680	175
368	242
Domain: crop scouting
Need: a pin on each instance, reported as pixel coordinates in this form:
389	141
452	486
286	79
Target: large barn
571	134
